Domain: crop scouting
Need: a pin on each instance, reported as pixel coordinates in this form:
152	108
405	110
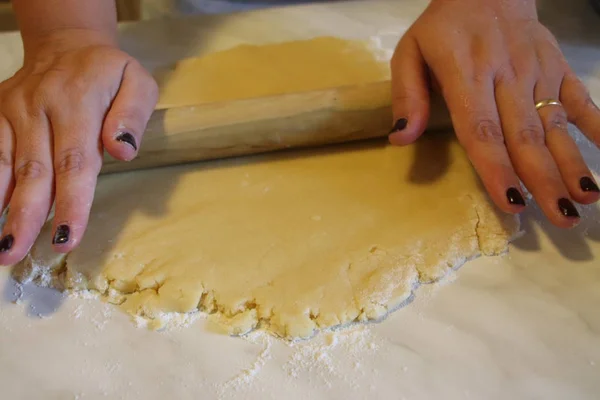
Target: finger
581	109
77	162
525	140
32	196
475	118
410	92
129	113
571	165
6	162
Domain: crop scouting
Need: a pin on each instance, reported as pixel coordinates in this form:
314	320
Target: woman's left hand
493	62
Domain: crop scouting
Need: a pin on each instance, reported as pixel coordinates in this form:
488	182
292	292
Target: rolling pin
250	126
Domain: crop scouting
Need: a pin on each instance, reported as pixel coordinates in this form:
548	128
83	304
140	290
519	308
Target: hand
75	96
493	62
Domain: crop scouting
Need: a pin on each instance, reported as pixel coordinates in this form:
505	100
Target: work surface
522	326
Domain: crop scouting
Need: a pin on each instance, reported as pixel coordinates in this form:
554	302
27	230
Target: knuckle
5	127
151	91
136	65
395	61
148	83
487	131
28	100
572	80
39	99
6	157
584	109
30	170
50	81
402	44
12	109
482	72
132	116
69	161
5	160
557	121
41	95
480	77
506	75
589	103
407	96
530	135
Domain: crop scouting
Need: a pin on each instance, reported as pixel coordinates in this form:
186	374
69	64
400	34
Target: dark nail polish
514	197
588	185
567	208
6	243
399	125
128	138
61	236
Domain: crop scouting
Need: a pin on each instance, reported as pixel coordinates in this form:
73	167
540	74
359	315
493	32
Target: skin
492	68
77	93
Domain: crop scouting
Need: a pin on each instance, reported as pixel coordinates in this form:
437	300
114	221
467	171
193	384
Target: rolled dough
249	71
292	242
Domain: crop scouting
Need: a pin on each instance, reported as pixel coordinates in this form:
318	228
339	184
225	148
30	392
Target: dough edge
490	234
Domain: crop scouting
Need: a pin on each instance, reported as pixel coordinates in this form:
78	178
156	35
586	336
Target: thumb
410	92
129	113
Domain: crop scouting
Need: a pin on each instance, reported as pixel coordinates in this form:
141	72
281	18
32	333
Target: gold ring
547	102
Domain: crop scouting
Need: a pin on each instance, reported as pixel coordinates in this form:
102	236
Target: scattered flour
247	375
18	293
337	355
78	311
85	294
174	321
103	318
331	353
383	44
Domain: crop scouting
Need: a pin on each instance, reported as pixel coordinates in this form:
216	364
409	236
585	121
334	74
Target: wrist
65	22
39	51
41	46
518	8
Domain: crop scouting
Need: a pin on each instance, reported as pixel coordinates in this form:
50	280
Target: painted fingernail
514	197
61	236
399	125
567	208
6	243
588	185
126	137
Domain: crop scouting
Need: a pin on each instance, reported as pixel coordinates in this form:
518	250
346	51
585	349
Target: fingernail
61	236
588	185
6	243
567	208
399	125
126	137
514	197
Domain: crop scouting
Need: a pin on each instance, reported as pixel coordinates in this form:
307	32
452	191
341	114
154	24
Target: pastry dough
249	71
292	242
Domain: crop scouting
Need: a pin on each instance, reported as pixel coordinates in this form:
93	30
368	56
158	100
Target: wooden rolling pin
258	125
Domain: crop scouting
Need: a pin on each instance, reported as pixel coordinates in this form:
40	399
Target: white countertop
522	326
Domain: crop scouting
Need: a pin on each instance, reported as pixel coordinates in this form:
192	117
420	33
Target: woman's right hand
76	95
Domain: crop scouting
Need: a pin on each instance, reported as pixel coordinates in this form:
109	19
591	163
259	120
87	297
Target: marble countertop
522	326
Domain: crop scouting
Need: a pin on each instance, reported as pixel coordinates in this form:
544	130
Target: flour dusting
330	356
383	44
340	355
246	376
